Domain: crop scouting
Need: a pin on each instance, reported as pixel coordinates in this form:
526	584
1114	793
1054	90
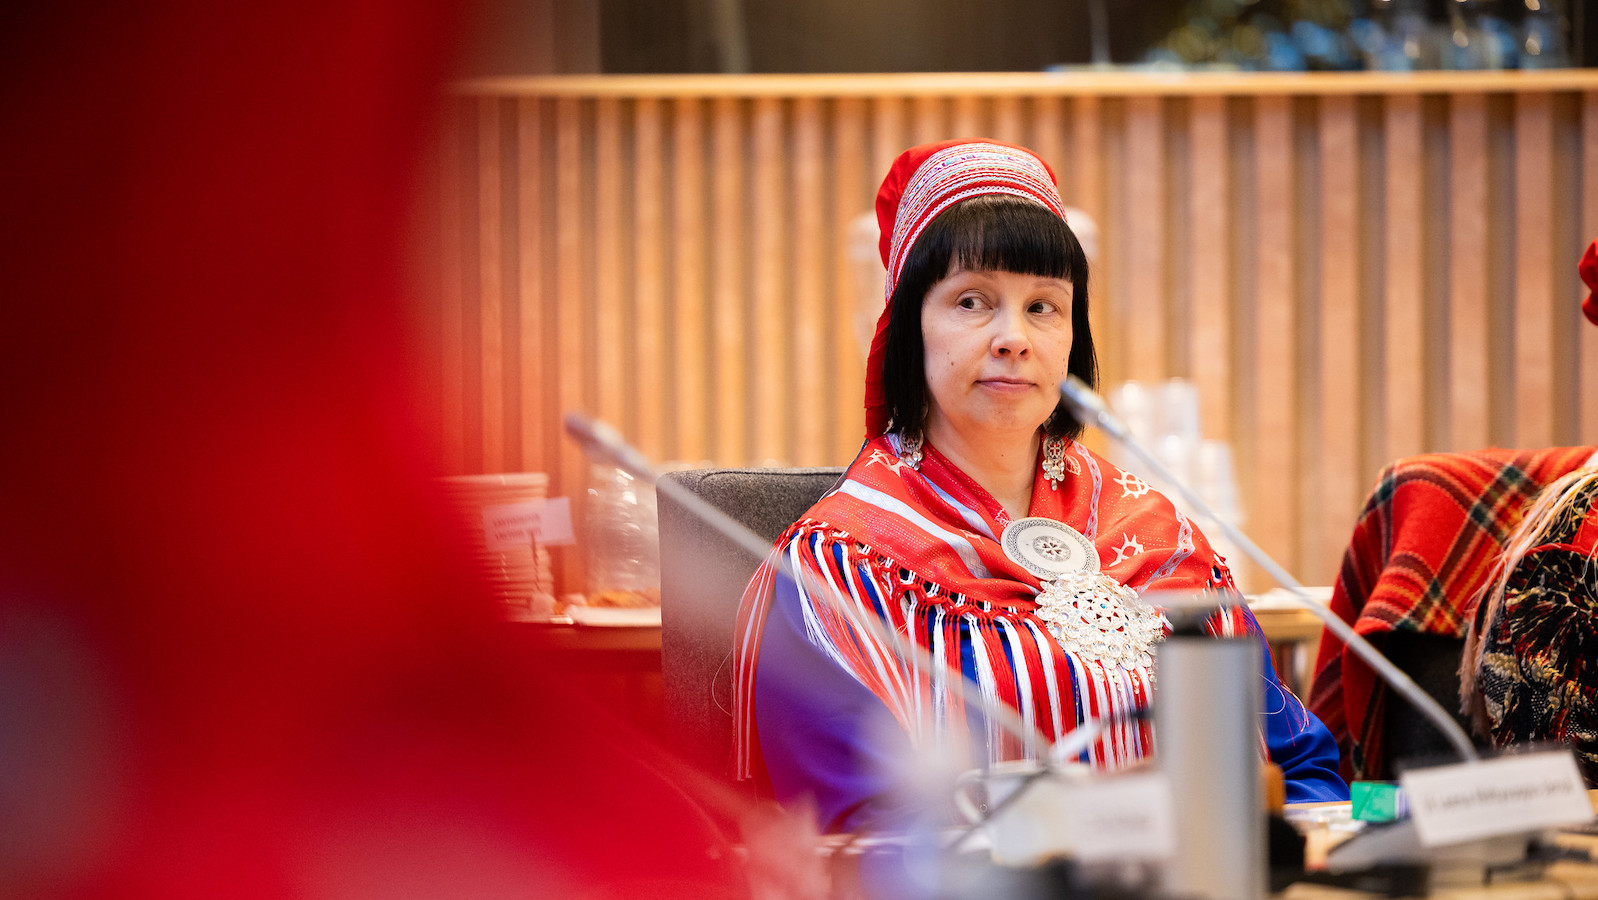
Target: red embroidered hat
922	183
1589	275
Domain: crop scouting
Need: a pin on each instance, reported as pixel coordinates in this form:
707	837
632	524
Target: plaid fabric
1423	546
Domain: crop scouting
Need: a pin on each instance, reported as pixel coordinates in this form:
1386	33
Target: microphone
1090	409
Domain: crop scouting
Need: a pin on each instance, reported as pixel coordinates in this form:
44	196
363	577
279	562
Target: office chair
702	578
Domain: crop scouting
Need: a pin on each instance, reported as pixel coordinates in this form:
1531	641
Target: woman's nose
1010	335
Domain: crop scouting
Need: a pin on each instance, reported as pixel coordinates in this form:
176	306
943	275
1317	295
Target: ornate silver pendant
1047	548
1093	616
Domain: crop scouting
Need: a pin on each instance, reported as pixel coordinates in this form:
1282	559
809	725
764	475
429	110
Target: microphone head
589	432
602	442
1089	408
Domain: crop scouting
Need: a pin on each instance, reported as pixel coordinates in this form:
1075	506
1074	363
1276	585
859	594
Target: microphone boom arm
1090	409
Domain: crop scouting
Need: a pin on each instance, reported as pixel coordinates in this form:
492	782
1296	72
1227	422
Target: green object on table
1377	801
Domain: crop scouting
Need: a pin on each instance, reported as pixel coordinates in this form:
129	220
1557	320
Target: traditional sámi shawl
920	552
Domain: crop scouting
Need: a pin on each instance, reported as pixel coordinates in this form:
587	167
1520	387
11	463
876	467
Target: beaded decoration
1090	614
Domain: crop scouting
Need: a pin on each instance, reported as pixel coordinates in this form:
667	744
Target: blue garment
825	736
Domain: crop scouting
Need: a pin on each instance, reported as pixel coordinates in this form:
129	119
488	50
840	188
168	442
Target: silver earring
1054	460
910	449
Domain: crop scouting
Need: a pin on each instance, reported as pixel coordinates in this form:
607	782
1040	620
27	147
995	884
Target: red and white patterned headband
958	172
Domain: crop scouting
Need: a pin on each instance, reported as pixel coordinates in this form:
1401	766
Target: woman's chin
999	431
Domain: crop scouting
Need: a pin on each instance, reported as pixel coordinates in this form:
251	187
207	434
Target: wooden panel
491	267
611	358
927	120
451	365
1048	139
1144	321
1588	344
856	295
691	375
1077	84
802	407
1404	369
572	364
887	135
769	312
536	412
1534	314
1087	157
647	286
1007	121
705	232
1468	279
727	286
1272	481
1337	491
968	118
1210	206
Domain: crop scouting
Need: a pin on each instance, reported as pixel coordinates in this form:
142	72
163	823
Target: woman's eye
1042	307
970	302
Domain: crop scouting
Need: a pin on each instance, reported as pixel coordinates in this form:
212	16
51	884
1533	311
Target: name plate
555	523
1510	794
1121	817
514	526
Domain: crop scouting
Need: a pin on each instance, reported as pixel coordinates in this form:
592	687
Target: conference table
1565	879
620	665
629	656
625	663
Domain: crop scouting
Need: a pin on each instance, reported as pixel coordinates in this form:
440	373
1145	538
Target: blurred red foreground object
239	654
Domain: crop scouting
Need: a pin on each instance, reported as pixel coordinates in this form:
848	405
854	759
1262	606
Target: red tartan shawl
933	537
1422	548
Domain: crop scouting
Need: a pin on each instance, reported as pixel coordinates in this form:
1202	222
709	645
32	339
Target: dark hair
994	232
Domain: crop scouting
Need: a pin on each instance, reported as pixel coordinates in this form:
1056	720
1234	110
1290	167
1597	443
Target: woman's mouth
1005	384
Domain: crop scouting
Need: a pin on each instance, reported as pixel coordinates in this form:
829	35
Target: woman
973	523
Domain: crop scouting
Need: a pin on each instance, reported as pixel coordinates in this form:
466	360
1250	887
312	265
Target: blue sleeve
1297	741
824	735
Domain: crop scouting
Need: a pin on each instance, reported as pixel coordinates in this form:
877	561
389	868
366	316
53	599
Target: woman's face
997	347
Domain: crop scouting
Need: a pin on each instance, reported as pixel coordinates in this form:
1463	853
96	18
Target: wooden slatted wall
1351	268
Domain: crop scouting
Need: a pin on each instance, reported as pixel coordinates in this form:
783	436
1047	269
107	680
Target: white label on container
1121	817
555	523
1510	794
511	526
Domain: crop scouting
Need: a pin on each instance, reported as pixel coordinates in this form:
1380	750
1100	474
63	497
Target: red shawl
928	542
1421	549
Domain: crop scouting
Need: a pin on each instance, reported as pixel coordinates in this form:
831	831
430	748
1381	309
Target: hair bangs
998	232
